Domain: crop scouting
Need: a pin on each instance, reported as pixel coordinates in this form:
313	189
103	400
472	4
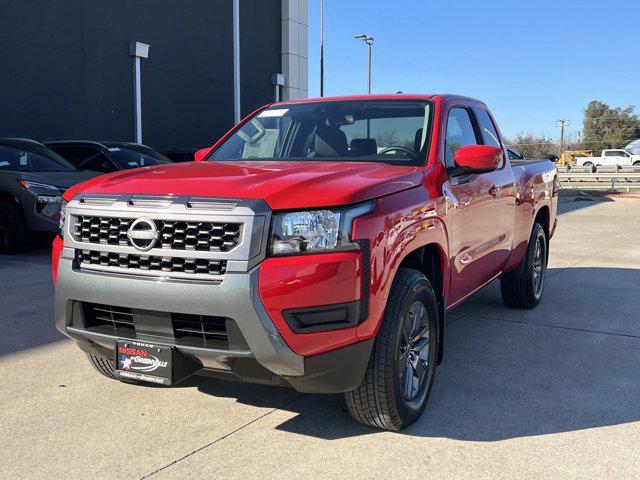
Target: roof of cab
390	96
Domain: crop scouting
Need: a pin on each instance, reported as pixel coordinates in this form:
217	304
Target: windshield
390	131
23	157
134	157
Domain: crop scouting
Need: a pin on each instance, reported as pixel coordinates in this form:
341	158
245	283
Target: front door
479	207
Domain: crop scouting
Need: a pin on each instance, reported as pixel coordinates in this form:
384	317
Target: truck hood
282	184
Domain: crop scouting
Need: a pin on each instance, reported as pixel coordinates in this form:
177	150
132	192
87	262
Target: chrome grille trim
174	235
199	267
238	233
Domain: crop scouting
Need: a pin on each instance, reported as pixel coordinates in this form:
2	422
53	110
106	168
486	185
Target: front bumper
265	355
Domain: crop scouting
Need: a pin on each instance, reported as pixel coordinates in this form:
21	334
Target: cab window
488	130
460	133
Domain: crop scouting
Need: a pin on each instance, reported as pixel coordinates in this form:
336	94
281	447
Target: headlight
63	214
315	231
43	186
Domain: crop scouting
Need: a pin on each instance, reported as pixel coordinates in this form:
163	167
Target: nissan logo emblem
143	234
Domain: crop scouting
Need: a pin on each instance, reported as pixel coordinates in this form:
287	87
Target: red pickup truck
318	245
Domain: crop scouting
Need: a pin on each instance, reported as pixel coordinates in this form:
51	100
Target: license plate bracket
144	362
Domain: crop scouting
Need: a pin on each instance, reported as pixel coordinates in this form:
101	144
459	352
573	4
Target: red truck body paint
479	228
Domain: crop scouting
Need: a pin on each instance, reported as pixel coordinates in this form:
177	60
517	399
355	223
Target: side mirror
201	154
476	159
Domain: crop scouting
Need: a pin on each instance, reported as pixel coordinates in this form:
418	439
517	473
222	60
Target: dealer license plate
144	362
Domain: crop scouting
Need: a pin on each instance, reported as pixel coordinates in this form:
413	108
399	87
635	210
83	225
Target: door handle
494	191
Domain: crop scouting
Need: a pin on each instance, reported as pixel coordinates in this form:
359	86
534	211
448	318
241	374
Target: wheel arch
430	259
543	217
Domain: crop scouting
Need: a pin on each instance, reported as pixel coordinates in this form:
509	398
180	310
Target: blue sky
532	62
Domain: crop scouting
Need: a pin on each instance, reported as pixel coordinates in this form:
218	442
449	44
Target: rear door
479	207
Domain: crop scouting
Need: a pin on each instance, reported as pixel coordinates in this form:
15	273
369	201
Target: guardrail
565	169
612	181
597	177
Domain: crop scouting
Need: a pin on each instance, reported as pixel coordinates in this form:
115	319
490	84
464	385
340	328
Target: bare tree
533	146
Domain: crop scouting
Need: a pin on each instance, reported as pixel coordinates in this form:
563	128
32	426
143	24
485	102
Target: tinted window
86	157
127	158
98	162
488	129
390	131
179	156
31	158
513	155
614	153
460	133
489	133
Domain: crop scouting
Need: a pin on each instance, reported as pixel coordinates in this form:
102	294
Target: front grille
110	320
174	235
200	330
151	263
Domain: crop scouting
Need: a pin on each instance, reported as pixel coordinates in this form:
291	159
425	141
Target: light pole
322	48
369	41
236	61
138	50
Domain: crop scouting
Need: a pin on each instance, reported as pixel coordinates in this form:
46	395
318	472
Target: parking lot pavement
548	393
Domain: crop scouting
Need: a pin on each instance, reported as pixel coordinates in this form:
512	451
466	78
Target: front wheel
636	164
525	292
397	384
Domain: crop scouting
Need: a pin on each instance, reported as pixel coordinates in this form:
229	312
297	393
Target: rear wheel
636	164
590	165
13	229
525	292
397	384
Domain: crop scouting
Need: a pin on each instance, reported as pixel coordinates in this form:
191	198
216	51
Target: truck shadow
570	364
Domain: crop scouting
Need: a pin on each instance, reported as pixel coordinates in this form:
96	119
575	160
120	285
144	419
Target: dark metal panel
54	24
67	72
41	93
260	50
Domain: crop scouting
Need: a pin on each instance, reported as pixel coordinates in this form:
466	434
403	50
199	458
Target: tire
385	399
636	164
103	365
590	165
13	229
525	292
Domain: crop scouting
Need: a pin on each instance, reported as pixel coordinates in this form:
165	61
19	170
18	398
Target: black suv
107	157
32	181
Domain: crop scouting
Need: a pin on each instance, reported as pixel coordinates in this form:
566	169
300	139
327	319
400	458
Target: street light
138	50
322	48
369	41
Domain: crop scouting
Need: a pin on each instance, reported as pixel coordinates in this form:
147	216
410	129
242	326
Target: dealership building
171	74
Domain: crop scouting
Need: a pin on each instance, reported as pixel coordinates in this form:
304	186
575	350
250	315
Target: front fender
400	224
